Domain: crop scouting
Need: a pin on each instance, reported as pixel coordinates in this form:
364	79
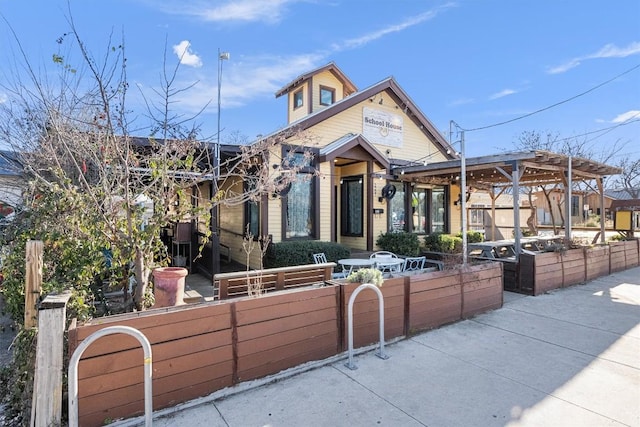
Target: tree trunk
553	220
532	223
142	272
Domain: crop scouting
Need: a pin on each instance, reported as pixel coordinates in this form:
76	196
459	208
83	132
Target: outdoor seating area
391	264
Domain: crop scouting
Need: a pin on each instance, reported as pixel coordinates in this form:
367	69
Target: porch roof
535	167
345	146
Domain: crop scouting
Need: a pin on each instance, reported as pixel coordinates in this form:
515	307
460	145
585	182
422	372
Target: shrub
401	243
300	252
366	275
473	236
440	242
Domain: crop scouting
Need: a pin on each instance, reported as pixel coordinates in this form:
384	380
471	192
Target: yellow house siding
325	79
455	215
415	144
300	112
326	195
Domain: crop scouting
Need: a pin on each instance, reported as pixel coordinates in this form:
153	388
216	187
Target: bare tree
76	137
574	147
629	179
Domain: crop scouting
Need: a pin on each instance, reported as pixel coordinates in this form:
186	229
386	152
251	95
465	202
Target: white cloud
395	28
607	51
183	51
629	115
461	101
502	93
270	11
3	98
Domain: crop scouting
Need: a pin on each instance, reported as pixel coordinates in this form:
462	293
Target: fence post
46	407
33	282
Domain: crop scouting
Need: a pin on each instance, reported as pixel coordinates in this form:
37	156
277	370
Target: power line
557	103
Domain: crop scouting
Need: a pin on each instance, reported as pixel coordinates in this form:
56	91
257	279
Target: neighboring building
11	184
579	207
495	218
593	199
361	136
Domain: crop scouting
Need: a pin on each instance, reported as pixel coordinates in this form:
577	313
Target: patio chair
414	263
321	258
387	262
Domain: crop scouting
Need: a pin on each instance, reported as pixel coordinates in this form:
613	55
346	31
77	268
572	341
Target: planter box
192	357
481	288
596	262
366	312
281	330
435	299
573	267
617	256
204	348
548	272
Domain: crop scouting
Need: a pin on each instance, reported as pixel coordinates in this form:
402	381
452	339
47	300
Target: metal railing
352	299
75	359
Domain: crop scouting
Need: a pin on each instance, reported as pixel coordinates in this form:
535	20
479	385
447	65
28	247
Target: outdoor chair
321	258
387	262
414	263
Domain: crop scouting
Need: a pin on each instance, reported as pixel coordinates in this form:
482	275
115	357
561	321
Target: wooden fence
543	272
201	348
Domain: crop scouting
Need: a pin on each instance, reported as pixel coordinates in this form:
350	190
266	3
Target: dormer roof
349	87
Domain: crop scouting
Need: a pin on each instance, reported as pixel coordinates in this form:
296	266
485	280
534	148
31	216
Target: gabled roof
10	163
341	146
394	91
332	67
618	194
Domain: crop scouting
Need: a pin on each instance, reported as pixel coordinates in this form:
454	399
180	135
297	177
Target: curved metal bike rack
75	359
352	299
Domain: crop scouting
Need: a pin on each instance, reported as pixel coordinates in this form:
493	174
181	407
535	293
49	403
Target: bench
232	285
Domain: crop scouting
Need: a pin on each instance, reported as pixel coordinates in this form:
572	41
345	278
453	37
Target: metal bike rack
75	359
352	299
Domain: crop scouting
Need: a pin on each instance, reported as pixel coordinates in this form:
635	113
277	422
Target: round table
353	264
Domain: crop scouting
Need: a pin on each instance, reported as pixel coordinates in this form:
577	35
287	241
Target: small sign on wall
378	211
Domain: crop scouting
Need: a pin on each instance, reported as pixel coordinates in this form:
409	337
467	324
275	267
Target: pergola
513	170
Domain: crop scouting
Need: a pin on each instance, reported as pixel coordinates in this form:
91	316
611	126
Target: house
348	192
11	184
492	214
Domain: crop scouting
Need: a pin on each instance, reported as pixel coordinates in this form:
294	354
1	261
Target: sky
497	68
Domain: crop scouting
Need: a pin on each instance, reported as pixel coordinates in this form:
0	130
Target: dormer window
297	99
327	95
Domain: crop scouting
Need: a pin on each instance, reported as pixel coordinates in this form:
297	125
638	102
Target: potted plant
366	275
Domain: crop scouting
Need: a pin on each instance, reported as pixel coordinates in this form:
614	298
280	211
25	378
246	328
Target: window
299	205
297	99
251	212
327	95
575	205
252	218
396	209
352	202
428	207
299	208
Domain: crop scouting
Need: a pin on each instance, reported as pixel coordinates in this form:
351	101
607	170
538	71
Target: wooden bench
232	285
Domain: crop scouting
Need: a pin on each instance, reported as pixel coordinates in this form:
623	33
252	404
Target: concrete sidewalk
569	358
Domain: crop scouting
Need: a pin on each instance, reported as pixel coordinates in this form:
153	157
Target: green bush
440	242
402	243
300	252
472	236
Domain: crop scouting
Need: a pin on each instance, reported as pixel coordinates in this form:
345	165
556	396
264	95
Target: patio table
350	265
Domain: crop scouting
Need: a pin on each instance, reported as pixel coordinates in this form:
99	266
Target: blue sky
480	63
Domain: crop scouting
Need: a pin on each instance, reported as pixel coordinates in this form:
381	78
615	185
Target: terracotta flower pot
168	286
